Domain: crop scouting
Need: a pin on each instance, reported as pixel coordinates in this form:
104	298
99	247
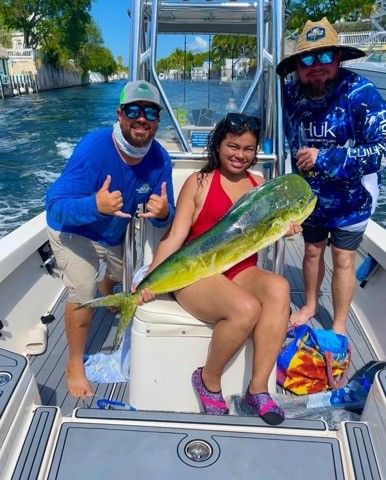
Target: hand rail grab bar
153	41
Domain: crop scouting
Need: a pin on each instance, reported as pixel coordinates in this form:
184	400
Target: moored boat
373	68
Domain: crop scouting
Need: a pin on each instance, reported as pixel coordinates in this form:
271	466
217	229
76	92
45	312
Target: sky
114	23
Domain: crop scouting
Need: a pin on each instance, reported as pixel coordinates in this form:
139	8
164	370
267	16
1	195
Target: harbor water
39	132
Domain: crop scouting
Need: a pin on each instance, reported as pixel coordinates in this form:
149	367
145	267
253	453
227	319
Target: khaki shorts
78	259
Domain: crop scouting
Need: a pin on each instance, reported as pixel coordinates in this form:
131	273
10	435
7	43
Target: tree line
300	11
222	47
62	30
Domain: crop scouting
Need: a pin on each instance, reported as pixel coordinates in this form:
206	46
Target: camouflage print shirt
348	126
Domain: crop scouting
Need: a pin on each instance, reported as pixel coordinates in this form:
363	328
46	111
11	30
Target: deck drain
198	451
5	377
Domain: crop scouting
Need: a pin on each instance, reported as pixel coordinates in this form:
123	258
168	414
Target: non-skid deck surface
49	367
361	350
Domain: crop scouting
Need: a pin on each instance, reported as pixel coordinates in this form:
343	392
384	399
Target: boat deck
49	367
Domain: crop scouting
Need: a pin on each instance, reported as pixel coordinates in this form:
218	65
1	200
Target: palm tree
233	47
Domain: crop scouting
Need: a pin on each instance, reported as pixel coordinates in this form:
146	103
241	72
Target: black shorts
342	239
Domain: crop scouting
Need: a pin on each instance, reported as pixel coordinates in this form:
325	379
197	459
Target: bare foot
213	384
302	316
77	383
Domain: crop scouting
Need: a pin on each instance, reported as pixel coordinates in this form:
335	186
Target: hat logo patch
316	33
144	90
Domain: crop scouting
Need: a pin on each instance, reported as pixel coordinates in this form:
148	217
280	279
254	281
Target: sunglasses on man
134	111
324	57
239	120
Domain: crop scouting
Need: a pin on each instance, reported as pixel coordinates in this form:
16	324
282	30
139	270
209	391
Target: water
39	132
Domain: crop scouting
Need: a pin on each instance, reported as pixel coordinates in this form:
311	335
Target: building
200	73
235	68
17	40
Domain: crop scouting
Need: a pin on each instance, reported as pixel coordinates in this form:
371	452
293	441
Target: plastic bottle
231	106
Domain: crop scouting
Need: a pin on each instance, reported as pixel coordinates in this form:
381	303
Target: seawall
48	77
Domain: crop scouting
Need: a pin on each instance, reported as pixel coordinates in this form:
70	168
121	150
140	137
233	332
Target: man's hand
110	203
306	158
293	229
157	206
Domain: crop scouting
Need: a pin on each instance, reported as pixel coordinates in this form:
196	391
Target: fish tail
127	309
126	304
114	300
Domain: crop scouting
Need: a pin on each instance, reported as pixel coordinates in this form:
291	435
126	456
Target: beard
137	139
316	89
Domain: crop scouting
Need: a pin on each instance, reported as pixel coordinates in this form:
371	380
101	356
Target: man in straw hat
335	124
111	171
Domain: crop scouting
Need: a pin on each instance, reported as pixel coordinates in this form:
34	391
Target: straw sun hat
316	36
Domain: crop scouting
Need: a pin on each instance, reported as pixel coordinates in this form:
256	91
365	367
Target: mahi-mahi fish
259	218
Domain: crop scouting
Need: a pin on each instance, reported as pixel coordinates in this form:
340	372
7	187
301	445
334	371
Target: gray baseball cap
140	91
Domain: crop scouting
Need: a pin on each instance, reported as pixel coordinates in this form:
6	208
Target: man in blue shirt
335	124
111	172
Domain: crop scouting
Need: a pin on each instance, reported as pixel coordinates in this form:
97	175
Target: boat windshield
207	59
378	57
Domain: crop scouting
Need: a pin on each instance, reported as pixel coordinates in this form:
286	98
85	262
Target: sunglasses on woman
325	57
238	120
133	111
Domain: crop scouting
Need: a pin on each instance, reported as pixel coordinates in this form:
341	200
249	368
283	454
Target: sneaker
266	408
213	403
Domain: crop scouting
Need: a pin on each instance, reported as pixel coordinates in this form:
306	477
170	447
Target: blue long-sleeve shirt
348	126
71	200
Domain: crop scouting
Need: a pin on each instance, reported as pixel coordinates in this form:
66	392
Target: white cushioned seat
166	310
165	317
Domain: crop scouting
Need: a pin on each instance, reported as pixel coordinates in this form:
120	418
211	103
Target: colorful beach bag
312	361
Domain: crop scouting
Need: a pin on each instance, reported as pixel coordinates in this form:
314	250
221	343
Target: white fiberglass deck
49	367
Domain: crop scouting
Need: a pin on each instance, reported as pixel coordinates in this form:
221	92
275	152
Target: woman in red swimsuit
243	301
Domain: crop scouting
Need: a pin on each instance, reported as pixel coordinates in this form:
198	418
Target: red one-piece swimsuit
216	205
